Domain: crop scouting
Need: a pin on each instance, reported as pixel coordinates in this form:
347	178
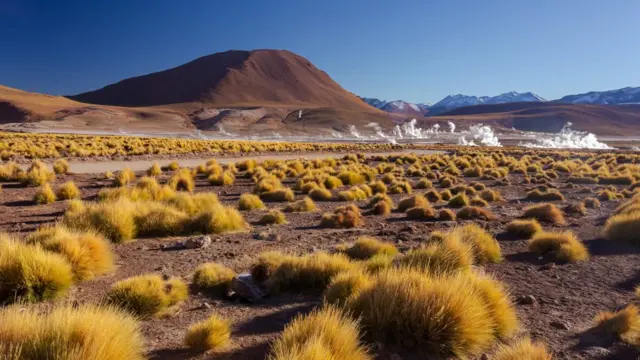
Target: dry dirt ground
567	296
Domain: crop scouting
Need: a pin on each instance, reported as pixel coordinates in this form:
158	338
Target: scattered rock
206	305
262	235
548	266
246	288
409	229
197	242
484	357
526	299
559	325
267	236
597	352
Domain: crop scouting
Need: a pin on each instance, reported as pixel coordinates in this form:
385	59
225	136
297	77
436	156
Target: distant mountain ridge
627	95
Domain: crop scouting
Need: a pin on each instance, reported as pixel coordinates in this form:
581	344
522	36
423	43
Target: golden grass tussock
608	195
400	187
273	217
381	208
550	195
440	316
222	179
266	264
343	217
68	191
446	195
37	174
30	273
66	332
309	272
623	227
332	182
458	201
479	202
623	324
124	177
61	167
485	247
304	205
366	247
561	246
421	213
345	285
446	257
475	212
88	253
432	196
423	183
212	334
522	349
147	295
320	194
44	195
154	170
446	215
524	229
182	180
278	195
250	202
379	197
417	200
546	213
213	278
325	333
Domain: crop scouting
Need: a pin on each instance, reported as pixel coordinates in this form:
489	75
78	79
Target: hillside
231	79
621	120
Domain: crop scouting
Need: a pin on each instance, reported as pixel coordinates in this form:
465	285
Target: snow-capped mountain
456	101
628	95
398	106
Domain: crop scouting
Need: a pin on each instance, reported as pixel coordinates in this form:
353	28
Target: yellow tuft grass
210	334
61	167
562	246
182	180
304	205
325	333
213	278
545	213
524	228
88	253
250	202
278	195
475	212
522	349
44	195
366	247
412	201
273	217
266	264
624	324
29	273
320	194
154	170
69	333
68	191
345	285
147	295
447	257
344	217
124	177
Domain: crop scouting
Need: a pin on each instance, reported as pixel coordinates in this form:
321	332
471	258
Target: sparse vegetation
524	228
250	202
561	246
213	278
545	213
68	191
147	295
211	334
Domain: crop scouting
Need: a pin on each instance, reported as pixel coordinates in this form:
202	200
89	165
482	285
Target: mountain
232	78
628	95
456	101
398	106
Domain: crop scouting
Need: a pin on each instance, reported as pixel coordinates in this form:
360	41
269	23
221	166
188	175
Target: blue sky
414	50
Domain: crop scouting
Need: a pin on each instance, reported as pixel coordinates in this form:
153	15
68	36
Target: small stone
526	299
246	288
206	305
409	229
559	325
274	237
555	276
548	266
484	357
197	242
597	352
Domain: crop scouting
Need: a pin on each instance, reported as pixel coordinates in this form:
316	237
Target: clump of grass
173	166
147	295
266	264
154	170
524	228
623	227
378	187
326	333
478	202
124	177
458	201
576	209
400	187
485	247
68	191
446	215
222	179
366	247
213	278
44	195
432	196
421	213
61	167
278	195
30	273
344	217
523	349
37	174
623	324
607	195
273	217
551	195
182	180
490	195
545	213
211	334
304	205
446	195
355	193
412	201
616	180
449	256
344	285
88	253
444	316
320	194
250	202
562	246
332	182
309	272
424	183
475	212
381	208
67	332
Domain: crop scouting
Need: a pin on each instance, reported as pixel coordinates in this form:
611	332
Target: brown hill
551	117
231	79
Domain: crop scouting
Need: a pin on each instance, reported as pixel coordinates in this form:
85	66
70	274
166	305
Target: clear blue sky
414	50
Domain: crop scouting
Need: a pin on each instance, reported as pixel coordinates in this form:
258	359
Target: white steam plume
482	134
452	127
568	139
